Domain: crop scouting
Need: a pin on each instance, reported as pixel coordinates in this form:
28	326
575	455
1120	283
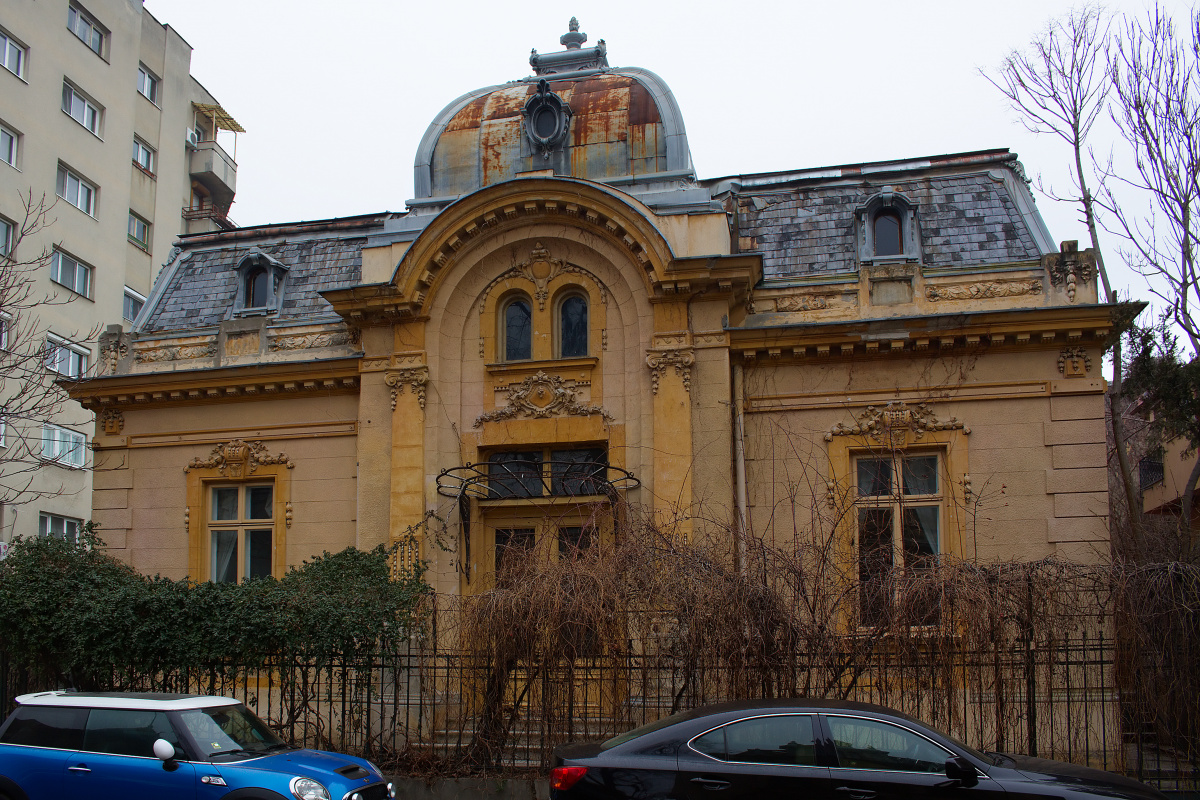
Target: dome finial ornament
572	39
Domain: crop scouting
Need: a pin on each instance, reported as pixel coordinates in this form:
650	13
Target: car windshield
230	732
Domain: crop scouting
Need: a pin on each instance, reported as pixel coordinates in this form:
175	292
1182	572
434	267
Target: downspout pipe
739	466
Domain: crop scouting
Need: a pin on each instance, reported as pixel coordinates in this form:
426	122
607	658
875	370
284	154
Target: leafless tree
1156	85
30	396
1060	86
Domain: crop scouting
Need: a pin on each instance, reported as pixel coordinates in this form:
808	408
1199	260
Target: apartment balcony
212	168
206	217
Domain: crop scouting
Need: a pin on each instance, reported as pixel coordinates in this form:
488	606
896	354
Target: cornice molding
217	385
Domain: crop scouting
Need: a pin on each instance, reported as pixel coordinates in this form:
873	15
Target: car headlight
308	789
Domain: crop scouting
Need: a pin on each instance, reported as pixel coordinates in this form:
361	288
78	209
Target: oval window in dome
545	122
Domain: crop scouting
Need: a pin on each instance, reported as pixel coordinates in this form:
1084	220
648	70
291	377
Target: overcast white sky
335	96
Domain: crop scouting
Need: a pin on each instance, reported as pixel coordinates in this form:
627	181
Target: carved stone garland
539	270
416	377
239	459
1074	362
681	359
540	396
892	425
112	353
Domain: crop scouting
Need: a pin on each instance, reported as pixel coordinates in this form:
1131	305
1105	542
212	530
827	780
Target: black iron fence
427	707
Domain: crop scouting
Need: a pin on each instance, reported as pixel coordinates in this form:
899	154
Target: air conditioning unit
192	138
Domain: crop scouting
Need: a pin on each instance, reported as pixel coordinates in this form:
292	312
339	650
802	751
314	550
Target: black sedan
815	751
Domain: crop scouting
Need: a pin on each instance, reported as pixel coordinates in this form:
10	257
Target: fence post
1030	671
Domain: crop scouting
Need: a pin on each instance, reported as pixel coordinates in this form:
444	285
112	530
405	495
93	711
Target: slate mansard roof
198	290
972	211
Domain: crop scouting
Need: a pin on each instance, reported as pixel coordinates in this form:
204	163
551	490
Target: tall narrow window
256	288
143	156
518	330
888	239
899	529
241	532
573	327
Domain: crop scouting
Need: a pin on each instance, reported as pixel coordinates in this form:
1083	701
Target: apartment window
5	328
70	273
241	532
147	84
6	237
80	23
12	55
139	231
132	305
899	528
8	145
68	360
76	191
67	528
80	108
143	155
62	445
3	427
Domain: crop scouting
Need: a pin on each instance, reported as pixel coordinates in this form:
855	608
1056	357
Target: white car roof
143	701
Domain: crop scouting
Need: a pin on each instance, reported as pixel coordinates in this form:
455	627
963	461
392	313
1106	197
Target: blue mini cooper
165	747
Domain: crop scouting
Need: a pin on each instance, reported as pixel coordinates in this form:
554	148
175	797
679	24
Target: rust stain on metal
506	103
500	149
469	117
642	108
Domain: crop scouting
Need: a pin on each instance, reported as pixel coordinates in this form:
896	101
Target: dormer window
887	228
256	287
888	238
260	284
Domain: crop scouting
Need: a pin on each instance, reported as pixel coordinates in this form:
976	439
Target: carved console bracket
540	396
113	421
681	359
239	459
416	377
1069	267
894	425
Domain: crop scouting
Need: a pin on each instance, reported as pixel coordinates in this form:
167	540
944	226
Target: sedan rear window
60	728
649	727
776	739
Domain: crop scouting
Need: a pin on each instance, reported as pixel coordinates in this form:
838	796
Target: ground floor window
67	528
899	514
241	531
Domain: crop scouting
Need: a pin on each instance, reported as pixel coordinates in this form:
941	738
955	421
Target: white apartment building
98	112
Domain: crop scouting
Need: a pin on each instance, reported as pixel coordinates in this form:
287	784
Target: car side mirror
164	750
959	769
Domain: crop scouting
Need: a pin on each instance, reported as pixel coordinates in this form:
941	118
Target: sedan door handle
856	794
78	768
710	783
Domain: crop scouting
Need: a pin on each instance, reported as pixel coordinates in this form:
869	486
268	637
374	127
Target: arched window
573	327
257	285
518	330
888	238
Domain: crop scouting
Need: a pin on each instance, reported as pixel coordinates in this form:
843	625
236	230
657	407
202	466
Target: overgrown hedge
81	618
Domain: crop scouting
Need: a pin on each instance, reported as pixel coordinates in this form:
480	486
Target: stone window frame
276	272
545	349
201	481
882	202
